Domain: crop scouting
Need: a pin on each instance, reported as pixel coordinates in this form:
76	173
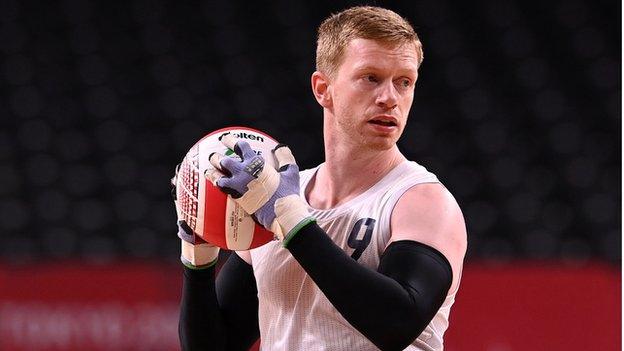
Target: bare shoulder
428	213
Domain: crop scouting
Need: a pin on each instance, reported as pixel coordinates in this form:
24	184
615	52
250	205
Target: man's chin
381	144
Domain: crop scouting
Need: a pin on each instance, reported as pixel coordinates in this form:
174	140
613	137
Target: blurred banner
525	305
134	306
130	306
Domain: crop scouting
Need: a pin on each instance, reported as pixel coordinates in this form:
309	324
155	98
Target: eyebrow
367	68
364	68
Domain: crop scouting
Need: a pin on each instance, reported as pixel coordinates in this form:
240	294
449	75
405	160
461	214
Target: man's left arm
393	305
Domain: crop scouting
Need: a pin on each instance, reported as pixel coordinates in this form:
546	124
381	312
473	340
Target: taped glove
272	197
195	252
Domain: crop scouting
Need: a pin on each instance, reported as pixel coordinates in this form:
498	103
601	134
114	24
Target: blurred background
517	110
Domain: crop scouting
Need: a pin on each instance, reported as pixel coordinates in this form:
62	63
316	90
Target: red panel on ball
214	216
261	236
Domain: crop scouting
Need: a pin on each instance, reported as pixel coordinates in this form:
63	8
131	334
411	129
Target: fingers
175	175
229	141
226	164
174	183
218	178
213	175
185	232
240	147
223	182
215	159
283	156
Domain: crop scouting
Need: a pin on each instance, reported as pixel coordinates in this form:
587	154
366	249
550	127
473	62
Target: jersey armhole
245	256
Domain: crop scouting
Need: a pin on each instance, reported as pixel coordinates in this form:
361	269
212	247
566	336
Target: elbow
402	329
395	340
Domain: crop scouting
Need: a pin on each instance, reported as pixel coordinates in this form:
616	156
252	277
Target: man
371	244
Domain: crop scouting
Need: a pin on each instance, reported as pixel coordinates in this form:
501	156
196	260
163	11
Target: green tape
291	234
188	264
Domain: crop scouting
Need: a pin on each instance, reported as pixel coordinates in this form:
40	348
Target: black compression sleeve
238	299
201	326
391	306
221	315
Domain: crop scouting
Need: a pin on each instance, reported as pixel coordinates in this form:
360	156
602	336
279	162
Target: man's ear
321	89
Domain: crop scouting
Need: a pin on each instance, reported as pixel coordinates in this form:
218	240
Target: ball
209	212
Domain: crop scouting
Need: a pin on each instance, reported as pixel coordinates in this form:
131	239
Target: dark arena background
517	110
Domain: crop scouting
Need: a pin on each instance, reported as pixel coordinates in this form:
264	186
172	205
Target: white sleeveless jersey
294	314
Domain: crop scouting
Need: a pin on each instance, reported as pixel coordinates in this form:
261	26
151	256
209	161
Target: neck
349	170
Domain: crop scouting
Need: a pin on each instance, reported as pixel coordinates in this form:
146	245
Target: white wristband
290	213
198	255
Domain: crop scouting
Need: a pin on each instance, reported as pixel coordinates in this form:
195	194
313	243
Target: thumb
284	157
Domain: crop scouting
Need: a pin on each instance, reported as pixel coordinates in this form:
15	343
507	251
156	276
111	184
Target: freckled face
372	93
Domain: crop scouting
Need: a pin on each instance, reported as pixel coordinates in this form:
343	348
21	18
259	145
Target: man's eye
406	83
371	78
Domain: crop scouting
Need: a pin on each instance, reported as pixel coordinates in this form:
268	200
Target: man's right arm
216	313
237	294
221	313
201	325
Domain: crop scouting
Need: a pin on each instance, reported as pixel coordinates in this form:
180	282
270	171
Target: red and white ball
210	213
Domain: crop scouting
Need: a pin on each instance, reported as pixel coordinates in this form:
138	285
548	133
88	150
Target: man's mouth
384	121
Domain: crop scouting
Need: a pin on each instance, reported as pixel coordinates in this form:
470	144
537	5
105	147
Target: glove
272	197
195	253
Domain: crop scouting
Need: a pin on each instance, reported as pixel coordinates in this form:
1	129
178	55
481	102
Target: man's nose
387	97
